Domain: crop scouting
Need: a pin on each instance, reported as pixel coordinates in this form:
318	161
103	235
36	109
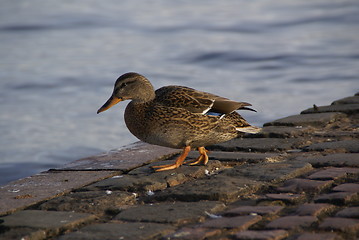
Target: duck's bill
110	102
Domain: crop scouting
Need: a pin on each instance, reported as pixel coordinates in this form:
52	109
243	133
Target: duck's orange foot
177	164
202	159
166	167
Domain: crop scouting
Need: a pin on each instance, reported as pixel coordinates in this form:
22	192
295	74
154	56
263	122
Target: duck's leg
203	157
179	161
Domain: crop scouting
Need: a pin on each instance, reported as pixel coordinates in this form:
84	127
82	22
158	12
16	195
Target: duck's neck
147	93
145	98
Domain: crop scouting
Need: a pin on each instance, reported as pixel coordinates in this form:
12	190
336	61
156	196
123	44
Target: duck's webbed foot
202	159
178	163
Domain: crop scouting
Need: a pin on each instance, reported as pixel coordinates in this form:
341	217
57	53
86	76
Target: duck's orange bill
110	102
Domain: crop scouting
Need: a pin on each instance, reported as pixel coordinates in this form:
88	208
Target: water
59	60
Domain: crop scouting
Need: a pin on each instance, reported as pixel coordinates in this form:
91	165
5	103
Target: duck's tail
249	129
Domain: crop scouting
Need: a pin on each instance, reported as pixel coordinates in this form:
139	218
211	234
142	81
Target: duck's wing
197	101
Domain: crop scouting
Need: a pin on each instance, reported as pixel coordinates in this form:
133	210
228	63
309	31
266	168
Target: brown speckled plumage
178	117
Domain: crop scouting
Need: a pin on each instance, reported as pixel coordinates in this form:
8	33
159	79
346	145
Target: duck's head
130	86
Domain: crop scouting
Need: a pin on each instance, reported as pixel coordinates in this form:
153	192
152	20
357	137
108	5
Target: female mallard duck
178	117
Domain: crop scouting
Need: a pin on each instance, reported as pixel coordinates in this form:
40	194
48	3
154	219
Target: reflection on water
60	60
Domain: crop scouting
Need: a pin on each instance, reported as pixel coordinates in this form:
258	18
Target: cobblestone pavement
298	179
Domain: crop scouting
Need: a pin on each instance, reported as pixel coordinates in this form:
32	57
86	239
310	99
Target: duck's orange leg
203	157
179	161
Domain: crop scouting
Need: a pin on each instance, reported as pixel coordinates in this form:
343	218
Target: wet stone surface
283	198
319	236
340	224
175	213
264	234
259	144
96	202
350	212
297	179
240	157
314	119
140	153
314	209
334	160
45	219
270	172
283	132
119	231
192	233
304	185
333	173
347	187
25	192
292	222
348	109
259	210
221	188
44	223
240	222
351	146
347	100
338	198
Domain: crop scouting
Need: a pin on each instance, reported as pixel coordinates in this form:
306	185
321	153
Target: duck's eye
125	84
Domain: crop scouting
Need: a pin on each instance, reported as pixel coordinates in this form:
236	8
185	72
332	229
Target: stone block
334	160
95	202
292	222
240	222
319	236
43	186
284	197
347	187
340	224
349	212
299	185
350	146
107	231
258	144
347	100
45	219
175	213
259	210
313	209
240	157
129	183
333	173
218	187
344	108
336	134
282	132
261	235
270	171
46	223
193	233
22	233
315	119
337	198
124	159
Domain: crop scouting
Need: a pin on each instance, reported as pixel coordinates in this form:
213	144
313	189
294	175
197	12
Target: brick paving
297	180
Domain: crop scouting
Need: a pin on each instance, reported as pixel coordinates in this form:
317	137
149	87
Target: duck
178	117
